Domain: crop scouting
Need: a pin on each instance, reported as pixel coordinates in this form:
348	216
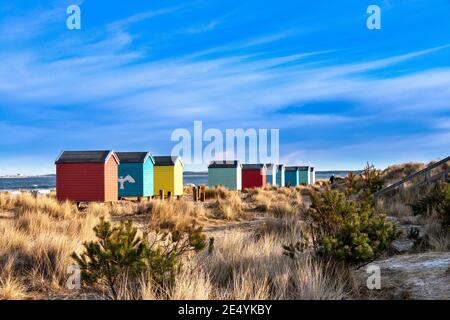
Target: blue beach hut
271	178
135	174
280	175
291	176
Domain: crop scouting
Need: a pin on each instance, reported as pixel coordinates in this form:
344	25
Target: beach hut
135	174
168	175
312	179
253	176
280	175
271	174
87	176
307	175
291	176
226	173
303	175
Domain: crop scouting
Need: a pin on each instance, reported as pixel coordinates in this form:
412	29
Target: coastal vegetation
304	242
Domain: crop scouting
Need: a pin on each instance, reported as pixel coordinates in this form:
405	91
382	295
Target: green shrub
363	185
372	178
347	230
350	183
419	242
164	253
117	252
120	254
436	201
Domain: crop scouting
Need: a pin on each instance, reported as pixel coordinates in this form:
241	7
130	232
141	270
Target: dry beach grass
39	234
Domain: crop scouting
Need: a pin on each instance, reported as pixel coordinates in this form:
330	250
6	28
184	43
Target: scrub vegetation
271	243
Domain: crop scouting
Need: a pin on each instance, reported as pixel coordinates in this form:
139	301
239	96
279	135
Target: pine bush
119	253
347	230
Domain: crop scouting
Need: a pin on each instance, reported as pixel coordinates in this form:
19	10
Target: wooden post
203	194
169	195
194	193
161	194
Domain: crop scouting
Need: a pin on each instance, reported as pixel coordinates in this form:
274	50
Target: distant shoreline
27	177
187	173
48	181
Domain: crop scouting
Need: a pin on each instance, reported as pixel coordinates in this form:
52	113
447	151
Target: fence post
203	194
194	193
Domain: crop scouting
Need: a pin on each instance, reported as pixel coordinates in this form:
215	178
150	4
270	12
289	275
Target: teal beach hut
280	175
303	175
306	175
226	173
271	178
135	174
291	176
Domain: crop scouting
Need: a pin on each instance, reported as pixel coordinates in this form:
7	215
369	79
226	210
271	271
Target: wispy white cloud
204	28
244	86
143	16
247	43
106	77
375	149
33	23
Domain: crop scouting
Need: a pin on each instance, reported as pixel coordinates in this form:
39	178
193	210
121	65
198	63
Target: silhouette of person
332	179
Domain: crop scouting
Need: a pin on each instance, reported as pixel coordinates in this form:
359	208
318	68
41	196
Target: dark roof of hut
253	166
99	156
295	168
224	164
165	160
134	157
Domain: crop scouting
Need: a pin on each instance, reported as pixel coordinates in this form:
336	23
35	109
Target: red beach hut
253	176
87	176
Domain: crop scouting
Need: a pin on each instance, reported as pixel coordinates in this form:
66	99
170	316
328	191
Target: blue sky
340	94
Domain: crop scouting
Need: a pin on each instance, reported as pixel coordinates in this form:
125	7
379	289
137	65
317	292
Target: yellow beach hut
168	175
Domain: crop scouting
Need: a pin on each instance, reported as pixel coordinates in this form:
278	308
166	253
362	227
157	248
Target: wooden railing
428	179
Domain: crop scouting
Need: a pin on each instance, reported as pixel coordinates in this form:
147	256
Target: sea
48	182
